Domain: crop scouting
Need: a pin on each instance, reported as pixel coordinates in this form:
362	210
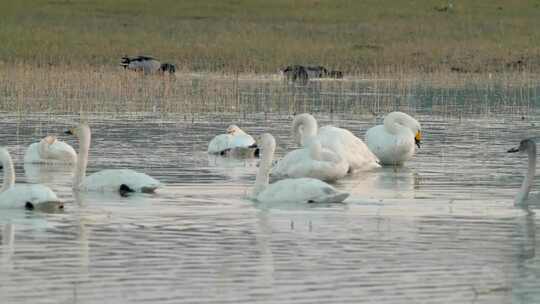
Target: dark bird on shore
146	64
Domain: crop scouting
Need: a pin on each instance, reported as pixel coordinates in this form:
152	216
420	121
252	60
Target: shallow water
443	229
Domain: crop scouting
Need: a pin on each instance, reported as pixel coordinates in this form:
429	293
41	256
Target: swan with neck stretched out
29	196
526	146
394	141
291	190
311	161
50	150
109	180
342	141
235	142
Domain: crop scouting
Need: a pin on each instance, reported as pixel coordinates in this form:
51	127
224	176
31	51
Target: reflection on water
441	229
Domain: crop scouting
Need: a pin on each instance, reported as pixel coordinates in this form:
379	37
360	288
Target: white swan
50	150
311	161
27	196
291	190
235	143
341	141
528	146
394	141
116	180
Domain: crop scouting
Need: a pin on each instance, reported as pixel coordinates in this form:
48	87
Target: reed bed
61	89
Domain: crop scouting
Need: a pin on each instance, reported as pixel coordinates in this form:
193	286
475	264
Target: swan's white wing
60	150
18	195
300	190
112	179
350	147
298	163
219	143
390	149
242	141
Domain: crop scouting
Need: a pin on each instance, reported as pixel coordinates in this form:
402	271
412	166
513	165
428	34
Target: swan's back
224	142
350	147
19	194
301	190
57	152
390	149
300	163
113	179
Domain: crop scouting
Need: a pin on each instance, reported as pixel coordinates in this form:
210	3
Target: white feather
235	139
312	161
106	180
50	150
17	195
291	190
394	141
341	141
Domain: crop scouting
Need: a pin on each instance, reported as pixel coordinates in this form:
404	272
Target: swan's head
304	126
267	142
407	121
524	145
49	139
234	130
48	206
79	131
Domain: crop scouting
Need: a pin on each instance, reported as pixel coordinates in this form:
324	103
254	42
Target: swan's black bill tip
29	206
68	132
513	150
417	142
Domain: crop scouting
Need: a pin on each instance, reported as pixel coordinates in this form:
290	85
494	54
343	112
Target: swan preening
526	146
50	150
235	142
116	180
394	141
311	161
291	190
341	141
29	196
146	64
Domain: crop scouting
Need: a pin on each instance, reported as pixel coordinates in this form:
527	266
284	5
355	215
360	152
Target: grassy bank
370	36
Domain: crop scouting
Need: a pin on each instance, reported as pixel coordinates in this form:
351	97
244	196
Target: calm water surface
443	229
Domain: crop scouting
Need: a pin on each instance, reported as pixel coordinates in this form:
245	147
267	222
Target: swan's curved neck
84	146
396	123
262	180
529	177
304	128
43	148
9	172
315	150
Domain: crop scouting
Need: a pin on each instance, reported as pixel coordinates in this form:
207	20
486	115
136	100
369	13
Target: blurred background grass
260	36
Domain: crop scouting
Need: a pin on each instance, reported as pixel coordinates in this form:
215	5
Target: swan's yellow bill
418	136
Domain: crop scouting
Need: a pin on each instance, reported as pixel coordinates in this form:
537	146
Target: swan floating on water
115	180
291	190
311	161
526	146
50	150
29	196
235	143
394	141
342	141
